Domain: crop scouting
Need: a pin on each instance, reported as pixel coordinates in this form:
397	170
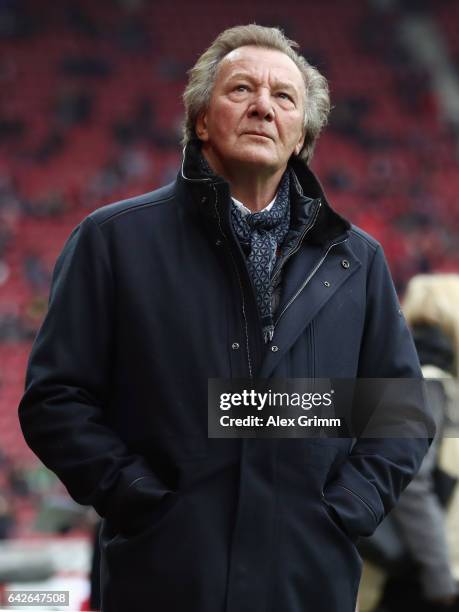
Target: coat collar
306	195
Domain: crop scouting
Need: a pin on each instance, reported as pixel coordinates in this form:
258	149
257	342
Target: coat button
218	243
203	199
235	346
326	283
345	264
274	348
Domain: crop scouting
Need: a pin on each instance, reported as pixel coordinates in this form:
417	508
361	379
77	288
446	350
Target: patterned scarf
261	235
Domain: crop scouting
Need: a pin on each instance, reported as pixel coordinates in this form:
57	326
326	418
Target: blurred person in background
7	521
428	584
238	269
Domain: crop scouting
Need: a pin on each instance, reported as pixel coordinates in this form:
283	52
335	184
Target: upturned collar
306	195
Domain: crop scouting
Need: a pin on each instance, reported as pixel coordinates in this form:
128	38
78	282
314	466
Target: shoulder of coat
146	200
358	234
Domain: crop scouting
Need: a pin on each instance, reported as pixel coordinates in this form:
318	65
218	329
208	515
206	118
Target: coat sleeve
64	413
368	484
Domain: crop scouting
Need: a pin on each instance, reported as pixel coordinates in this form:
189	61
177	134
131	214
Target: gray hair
198	91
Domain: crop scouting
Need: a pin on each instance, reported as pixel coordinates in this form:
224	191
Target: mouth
258	135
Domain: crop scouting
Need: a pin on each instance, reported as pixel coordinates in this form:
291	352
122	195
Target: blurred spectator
85	66
10	128
79	20
34	313
105	182
73	105
4	272
18	481
11	327
413	88
6	517
375	31
431	307
138	125
15	22
348	114
133	36
3	457
40	481
172	69
382	177
52	144
51	205
10	200
5	237
339	179
36	273
134	163
130	164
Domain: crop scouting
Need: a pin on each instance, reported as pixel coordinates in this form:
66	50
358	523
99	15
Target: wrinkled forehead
259	62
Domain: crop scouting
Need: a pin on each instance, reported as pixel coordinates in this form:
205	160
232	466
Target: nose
261	106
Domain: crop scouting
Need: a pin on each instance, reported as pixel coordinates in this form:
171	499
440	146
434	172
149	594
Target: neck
254	187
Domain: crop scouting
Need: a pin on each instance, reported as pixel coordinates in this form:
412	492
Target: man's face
255	116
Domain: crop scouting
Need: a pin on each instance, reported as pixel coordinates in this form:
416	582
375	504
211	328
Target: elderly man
239	269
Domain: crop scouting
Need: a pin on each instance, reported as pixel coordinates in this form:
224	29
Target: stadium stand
90	112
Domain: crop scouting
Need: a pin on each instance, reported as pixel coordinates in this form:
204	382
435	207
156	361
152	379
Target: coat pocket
143	523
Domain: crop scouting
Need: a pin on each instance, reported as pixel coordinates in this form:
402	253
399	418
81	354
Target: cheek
293	131
225	120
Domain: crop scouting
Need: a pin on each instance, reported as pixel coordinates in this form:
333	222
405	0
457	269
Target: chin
257	159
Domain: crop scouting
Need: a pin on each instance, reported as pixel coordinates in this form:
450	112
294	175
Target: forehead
260	63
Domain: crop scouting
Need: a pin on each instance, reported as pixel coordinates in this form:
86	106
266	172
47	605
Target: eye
241	87
285	96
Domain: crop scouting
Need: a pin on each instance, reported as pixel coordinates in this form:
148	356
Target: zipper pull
268	333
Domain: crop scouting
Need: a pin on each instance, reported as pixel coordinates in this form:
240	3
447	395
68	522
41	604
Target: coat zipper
308	279
244	314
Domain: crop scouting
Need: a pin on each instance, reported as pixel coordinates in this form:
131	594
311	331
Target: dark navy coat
150	298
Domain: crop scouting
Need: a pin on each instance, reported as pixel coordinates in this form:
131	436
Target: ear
201	127
300	143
